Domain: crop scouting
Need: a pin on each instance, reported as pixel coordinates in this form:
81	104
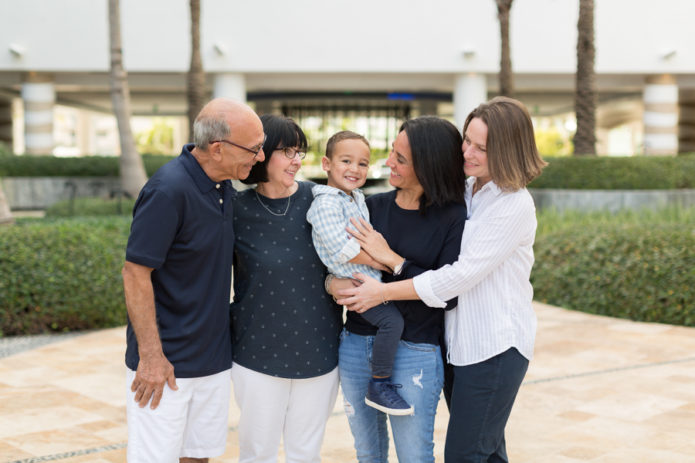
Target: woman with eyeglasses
285	327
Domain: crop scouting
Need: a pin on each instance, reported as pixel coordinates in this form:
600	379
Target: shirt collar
490	186
329	190
202	181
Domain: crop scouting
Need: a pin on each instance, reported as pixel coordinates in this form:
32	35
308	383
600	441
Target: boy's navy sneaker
382	395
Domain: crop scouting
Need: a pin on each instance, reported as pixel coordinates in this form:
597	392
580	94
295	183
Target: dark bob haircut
281	132
435	144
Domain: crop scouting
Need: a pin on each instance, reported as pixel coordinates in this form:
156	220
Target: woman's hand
363	297
337	284
373	243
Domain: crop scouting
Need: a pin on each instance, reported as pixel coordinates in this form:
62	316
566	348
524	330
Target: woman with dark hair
422	221
490	335
285	328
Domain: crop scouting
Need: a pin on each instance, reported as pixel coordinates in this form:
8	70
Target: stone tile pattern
598	390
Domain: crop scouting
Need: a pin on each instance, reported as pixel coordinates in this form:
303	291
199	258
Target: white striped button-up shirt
490	277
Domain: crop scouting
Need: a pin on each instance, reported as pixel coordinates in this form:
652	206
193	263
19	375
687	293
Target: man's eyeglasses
291	153
255	150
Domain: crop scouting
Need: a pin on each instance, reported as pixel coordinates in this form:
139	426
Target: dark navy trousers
480	399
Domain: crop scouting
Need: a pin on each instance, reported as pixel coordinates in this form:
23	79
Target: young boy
346	163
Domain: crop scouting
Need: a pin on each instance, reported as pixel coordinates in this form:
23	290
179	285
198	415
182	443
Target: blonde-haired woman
490	335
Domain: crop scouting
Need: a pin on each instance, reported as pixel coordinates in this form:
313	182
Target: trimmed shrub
88	166
155	161
618	173
585	172
568	221
91	207
62	275
638	272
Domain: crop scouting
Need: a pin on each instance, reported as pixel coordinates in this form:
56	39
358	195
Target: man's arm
154	370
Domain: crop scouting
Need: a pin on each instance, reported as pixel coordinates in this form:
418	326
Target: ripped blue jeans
419	368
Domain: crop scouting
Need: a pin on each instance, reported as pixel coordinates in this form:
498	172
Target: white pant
189	422
295	410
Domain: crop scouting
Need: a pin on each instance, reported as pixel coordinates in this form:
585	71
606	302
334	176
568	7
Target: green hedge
89	166
62	275
644	273
91	207
586	172
618	173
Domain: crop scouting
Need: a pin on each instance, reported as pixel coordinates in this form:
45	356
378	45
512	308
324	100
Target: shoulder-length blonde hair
512	155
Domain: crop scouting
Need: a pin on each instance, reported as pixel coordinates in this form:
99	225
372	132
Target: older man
177	284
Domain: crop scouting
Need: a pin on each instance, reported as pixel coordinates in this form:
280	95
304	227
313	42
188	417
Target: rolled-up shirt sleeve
423	288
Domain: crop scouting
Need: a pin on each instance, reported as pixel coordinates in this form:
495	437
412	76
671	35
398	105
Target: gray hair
208	128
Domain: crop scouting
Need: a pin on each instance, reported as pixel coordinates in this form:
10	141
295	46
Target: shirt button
217	186
221	201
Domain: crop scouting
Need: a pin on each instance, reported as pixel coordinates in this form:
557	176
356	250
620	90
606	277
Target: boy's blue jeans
419	369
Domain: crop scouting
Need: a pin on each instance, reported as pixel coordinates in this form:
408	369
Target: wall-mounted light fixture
219	48
468	50
667	53
17	50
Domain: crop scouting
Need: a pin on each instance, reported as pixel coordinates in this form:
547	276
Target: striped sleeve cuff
423	288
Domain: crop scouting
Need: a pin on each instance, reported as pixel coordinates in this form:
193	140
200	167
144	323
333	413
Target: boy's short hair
340	136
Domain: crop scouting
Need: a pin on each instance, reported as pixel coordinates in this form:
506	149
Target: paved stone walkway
599	390
15	344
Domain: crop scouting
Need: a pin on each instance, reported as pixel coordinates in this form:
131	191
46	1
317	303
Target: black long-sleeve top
427	242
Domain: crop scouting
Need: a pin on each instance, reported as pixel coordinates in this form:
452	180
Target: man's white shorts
190	422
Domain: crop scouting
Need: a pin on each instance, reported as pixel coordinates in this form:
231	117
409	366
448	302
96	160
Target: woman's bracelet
383	300
327	283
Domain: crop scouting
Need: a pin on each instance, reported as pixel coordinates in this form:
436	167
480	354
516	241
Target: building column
38	95
660	115
230	85
469	91
6	122
686	121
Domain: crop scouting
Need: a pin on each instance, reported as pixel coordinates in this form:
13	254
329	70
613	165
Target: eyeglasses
291	153
255	150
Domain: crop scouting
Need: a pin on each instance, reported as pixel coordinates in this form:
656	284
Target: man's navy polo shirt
181	231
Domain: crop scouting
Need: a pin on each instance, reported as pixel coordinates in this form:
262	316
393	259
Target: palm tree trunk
195	80
506	76
585	93
5	213
133	175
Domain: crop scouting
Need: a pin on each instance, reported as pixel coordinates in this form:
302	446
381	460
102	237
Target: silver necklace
289	199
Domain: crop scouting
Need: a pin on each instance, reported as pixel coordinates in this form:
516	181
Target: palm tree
506	77
585	93
133	175
5	213
195	80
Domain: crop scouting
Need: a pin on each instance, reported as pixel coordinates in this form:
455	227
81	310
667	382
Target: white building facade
440	56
